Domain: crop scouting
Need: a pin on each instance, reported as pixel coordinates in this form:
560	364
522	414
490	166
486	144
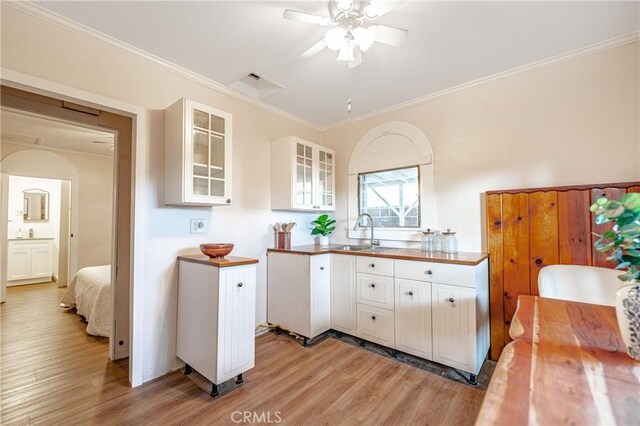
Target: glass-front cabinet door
326	191
304	180
210	160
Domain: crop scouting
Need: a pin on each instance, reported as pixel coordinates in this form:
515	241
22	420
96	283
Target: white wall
35	47
93	177
573	123
48	229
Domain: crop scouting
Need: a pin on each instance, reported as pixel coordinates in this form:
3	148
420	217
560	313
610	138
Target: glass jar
449	242
430	241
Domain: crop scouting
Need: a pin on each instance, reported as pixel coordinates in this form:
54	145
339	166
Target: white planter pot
323	241
628	313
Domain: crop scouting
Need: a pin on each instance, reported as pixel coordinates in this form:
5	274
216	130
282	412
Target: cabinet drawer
461	275
375	290
376	325
375	265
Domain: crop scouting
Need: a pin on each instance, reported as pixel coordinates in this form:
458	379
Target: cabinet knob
410	293
373	285
239	284
322	268
228	200
373	265
451	300
429	272
373	317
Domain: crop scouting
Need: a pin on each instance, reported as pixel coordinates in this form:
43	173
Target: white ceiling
449	43
40	132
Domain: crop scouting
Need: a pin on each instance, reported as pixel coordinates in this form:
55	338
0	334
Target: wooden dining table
567	364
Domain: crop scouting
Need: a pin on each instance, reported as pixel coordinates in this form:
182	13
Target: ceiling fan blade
377	8
315	49
305	17
391	35
357	58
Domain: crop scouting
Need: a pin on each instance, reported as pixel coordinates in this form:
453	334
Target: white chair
587	284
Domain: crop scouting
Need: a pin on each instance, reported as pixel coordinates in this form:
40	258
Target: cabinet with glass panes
302	175
198	147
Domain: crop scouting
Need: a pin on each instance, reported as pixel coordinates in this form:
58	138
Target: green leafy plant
324	225
623	241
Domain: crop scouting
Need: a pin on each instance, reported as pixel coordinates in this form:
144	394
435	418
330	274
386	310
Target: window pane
217	188
217	124
201	119
392	197
200	186
200	148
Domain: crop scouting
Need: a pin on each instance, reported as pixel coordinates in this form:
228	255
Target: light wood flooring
52	373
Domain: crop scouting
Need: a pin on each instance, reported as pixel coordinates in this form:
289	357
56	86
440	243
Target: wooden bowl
216	250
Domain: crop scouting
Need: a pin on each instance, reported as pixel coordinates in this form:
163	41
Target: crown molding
106	40
533	66
55	149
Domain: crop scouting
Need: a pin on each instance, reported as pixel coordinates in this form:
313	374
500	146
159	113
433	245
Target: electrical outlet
197	226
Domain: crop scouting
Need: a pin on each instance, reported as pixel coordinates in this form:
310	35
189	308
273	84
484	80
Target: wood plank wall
528	229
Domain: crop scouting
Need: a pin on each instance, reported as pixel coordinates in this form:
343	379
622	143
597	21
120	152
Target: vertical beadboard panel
543	229
574	227
496	282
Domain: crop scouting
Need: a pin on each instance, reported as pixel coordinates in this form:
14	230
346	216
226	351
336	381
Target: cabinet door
413	317
320	294
236	327
207	154
19	263
41	261
454	331
343	293
304	192
326	180
376	325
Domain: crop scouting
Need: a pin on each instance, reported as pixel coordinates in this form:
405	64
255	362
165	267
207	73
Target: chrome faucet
374	242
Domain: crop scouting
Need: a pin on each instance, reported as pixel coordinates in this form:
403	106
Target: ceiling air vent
256	86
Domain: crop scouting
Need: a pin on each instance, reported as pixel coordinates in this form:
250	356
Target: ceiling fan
350	33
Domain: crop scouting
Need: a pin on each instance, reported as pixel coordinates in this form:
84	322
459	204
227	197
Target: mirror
36	205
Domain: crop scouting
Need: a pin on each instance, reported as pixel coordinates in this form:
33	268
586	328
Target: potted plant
324	226
623	242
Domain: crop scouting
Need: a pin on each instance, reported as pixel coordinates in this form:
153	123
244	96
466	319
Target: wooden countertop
566	365
224	262
462	258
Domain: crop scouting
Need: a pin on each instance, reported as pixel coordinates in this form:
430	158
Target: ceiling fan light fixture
371	11
345	5
364	37
335	38
346	51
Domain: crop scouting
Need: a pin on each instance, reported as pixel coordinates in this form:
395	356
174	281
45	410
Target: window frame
419	172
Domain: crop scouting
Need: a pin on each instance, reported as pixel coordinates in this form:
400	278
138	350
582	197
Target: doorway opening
92	164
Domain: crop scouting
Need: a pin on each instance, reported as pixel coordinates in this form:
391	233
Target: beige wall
95	193
573	123
38	48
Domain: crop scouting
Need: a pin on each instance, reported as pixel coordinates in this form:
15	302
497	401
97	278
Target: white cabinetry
302	175
375	300
413	317
29	261
216	319
343	293
299	292
198	148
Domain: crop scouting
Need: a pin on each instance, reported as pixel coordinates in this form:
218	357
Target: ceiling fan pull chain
349	105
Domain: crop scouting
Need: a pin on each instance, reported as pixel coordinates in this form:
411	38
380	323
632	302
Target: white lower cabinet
29	261
216	319
413	317
343	293
375	290
299	292
376	325
454	327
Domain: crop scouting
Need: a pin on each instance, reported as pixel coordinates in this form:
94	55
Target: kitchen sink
374	249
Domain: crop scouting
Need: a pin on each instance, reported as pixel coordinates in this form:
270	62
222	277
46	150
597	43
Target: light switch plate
197	226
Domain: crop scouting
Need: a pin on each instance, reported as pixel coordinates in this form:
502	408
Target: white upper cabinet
302	176
198	155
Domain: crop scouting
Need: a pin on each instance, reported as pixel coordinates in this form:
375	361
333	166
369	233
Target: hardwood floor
53	373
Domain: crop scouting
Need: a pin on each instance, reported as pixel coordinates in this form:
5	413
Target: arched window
391	177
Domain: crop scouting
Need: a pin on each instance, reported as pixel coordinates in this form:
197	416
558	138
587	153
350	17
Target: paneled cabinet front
302	176
299	292
413	317
29	261
198	157
343	293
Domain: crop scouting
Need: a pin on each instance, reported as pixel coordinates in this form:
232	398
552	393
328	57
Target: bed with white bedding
89	291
